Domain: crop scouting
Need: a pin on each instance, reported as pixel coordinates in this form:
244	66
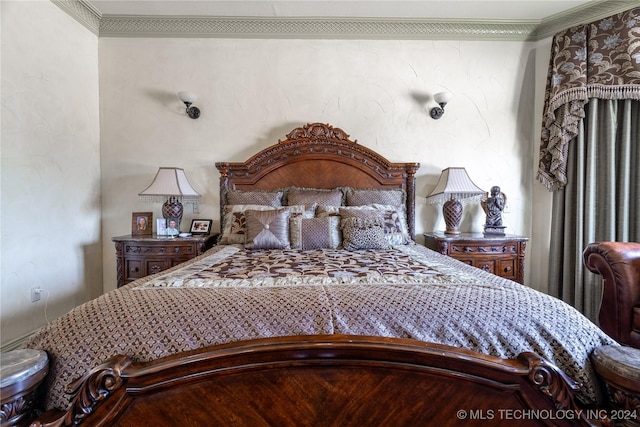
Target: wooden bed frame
324	380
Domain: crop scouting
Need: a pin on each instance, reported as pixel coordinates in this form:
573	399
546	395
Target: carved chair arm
619	265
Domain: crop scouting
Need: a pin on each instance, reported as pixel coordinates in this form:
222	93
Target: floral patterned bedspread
233	266
229	294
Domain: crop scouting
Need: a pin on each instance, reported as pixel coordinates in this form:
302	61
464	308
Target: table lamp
454	185
172	186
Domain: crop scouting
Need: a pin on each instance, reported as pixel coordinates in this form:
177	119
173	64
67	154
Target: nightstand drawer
500	255
486	264
156	266
507	268
134	269
161	248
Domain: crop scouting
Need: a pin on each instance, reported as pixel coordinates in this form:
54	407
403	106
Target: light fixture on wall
189	98
454	185
171	186
442	98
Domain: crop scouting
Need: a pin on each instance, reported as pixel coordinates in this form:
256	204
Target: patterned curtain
596	60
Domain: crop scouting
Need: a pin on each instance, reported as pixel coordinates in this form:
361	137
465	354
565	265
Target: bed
317	308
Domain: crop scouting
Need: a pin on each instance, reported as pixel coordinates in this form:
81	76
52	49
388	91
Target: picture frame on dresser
141	223
173	226
161	227
200	226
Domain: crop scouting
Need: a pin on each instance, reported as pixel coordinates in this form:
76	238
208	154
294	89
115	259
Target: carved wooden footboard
324	381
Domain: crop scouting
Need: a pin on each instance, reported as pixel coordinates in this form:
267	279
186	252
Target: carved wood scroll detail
17	411
506	249
555	384
317	130
89	391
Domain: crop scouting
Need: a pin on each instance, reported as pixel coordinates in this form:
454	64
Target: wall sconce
442	98
189	98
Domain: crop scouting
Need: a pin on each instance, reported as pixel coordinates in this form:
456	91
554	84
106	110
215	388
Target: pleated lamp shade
171	184
454	185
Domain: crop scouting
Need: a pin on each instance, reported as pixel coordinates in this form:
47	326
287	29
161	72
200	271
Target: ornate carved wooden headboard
318	155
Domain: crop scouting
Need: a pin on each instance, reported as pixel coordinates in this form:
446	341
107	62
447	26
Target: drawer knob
507	269
134	269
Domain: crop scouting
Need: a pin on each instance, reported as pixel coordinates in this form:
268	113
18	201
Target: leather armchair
619	265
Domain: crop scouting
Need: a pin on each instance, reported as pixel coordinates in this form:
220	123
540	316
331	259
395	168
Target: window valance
596	60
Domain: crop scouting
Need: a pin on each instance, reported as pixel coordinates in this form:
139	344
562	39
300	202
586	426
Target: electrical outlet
35	294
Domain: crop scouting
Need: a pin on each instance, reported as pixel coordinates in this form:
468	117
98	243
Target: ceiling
510	10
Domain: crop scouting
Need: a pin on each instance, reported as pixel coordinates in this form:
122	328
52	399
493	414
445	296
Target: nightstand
21	372
500	255
140	256
619	368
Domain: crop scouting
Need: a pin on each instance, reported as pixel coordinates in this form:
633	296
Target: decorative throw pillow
325	210
395	221
268	229
315	233
304	211
234	223
309	196
360	197
234	226
363	233
254	197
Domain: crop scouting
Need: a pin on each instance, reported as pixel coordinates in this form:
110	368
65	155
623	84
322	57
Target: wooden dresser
140	256
500	255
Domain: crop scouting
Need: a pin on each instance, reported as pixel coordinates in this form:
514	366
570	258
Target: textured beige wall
50	174
253	92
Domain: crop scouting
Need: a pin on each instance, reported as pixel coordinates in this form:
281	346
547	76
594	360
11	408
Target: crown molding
344	28
82	12
590	12
316	28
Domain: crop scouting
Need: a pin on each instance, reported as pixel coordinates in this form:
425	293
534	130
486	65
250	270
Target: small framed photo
201	226
173	226
161	227
142	223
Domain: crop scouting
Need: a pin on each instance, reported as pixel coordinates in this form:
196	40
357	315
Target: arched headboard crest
319	155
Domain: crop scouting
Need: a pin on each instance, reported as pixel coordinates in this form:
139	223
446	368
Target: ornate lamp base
172	208
452	210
